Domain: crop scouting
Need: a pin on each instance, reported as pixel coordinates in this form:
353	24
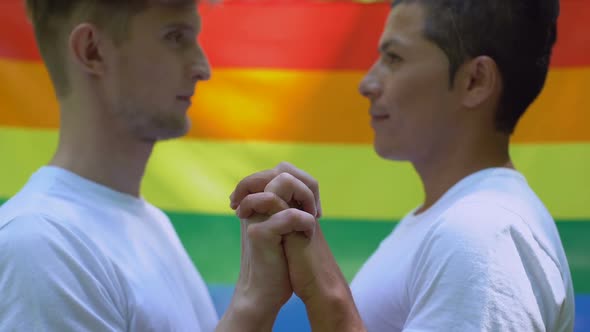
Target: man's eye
391	58
175	36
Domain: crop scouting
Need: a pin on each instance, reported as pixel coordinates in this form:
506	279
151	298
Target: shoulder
46	271
35	241
28	230
482	237
38	242
484	257
488	218
476	222
44	264
488	241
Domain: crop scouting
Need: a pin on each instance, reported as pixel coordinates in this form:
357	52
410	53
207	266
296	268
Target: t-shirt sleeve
482	270
51	280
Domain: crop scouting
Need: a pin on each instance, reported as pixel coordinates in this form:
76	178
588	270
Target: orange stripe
26	96
297	106
294	34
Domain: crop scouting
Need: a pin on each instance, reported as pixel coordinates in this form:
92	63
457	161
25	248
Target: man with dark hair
481	253
80	250
521	48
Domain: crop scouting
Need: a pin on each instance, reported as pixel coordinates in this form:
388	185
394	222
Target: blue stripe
582	323
293	316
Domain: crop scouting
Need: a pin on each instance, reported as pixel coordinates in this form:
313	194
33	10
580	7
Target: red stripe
296	36
299	34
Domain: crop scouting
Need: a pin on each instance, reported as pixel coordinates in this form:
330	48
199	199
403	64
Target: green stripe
198	176
214	244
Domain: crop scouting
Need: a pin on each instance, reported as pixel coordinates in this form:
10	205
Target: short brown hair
53	19
518	34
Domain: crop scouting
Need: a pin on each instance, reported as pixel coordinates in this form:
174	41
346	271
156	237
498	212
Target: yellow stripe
198	176
296	106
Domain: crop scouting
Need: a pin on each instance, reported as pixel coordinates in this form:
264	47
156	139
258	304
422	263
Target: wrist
334	311
245	314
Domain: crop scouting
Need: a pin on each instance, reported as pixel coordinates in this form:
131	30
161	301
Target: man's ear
85	49
480	79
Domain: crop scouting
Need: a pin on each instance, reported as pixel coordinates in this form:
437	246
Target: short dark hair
517	34
52	21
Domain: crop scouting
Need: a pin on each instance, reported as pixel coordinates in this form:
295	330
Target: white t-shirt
486	257
78	256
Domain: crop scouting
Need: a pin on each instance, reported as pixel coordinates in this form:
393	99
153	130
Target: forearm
321	285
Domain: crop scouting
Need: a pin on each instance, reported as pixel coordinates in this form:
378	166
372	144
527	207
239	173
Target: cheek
416	108
148	80
421	96
404	96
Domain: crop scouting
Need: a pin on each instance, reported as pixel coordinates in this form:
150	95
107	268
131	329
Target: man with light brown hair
81	250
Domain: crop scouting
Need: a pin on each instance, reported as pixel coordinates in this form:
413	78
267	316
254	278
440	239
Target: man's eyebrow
181	26
389	43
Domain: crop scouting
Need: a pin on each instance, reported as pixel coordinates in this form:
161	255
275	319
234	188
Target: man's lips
184	98
379	117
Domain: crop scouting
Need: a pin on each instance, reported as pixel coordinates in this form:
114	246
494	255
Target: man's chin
389	153
171	132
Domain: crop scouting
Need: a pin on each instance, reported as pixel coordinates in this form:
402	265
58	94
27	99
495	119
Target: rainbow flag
284	87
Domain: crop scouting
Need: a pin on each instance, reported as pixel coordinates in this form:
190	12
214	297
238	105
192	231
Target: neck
441	172
92	147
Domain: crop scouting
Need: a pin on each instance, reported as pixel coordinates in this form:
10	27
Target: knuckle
248	201
240	186
314	185
270	198
283	165
284	176
245	204
292	214
253	231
